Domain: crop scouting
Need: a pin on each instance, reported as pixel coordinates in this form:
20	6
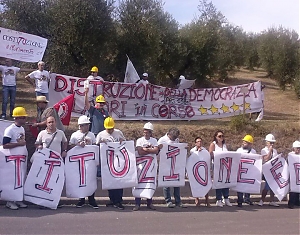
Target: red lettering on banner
141	96
166	111
95	84
172	153
276	164
79	84
297	172
244	171
252	89
197	175
18	159
146	161
114	106
73	81
153	90
227	163
81	159
111	163
61	84
107	86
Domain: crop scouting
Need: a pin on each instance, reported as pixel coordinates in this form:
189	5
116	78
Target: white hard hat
270	138
182	77
83	120
296	144
145	74
149	126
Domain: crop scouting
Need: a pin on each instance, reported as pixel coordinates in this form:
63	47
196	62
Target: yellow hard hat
19	112
248	138
109	123
100	99
94	69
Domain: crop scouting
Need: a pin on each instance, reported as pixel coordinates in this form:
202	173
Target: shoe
80	204
273	204
59	205
219	203
249	202
170	205
197	202
21	204
151	207
119	206
260	203
240	204
291	206
181	205
12	206
93	204
3	116
136	208
227	202
109	204
207	204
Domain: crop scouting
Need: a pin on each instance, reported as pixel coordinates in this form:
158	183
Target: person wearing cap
110	134
14	136
268	152
144	146
144	79
81	138
41	79
43	113
294	198
9	85
247	147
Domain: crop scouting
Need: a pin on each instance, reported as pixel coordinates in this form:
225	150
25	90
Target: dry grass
282	111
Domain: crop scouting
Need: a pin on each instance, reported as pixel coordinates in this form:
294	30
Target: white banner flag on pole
131	75
294	168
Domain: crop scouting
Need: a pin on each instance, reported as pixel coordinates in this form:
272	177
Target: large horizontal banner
294	168
21	46
134	101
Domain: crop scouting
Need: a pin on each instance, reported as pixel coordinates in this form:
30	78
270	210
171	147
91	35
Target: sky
252	15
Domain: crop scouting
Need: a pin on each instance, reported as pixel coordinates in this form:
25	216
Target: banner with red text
226	165
294	169
13	166
276	173
81	171
118	165
172	161
249	174
45	179
134	101
21	46
198	170
146	173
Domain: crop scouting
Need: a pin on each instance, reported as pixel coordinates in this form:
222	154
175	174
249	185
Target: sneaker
3	116
260	203
136	208
249	202
12	206
170	205
240	204
80	204
273	204
219	203
93	204
109	204
227	202
151	207
21	204
119	206
181	205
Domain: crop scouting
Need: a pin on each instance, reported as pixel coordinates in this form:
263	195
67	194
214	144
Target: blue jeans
37	93
115	195
222	192
242	198
8	91
138	201
167	195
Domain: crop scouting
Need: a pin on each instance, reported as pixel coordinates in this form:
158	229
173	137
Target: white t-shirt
9	75
241	150
90	78
44	138
265	151
41	80
219	149
78	136
142	81
14	132
194	150
143	142
166	140
104	136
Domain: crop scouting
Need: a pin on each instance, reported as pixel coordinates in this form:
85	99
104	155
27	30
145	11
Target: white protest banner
118	165
13	166
3	125
249	174
81	171
21	46
226	165
185	84
135	101
146	173
294	169
276	173
45	179
198	170
172	160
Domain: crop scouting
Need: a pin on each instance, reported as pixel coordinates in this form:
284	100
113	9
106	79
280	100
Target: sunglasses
220	136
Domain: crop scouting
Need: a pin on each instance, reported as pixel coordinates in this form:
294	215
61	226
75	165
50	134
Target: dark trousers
138	201
241	197
115	195
294	199
91	198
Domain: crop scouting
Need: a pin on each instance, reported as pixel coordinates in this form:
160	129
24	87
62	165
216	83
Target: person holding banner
146	145
268	152
14	136
170	138
42	80
93	76
294	198
110	134
198	148
144	80
83	137
218	145
246	148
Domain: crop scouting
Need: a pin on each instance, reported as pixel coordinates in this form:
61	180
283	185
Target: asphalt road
191	220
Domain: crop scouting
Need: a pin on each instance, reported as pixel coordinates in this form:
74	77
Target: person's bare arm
86	99
14	145
29	80
211	150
